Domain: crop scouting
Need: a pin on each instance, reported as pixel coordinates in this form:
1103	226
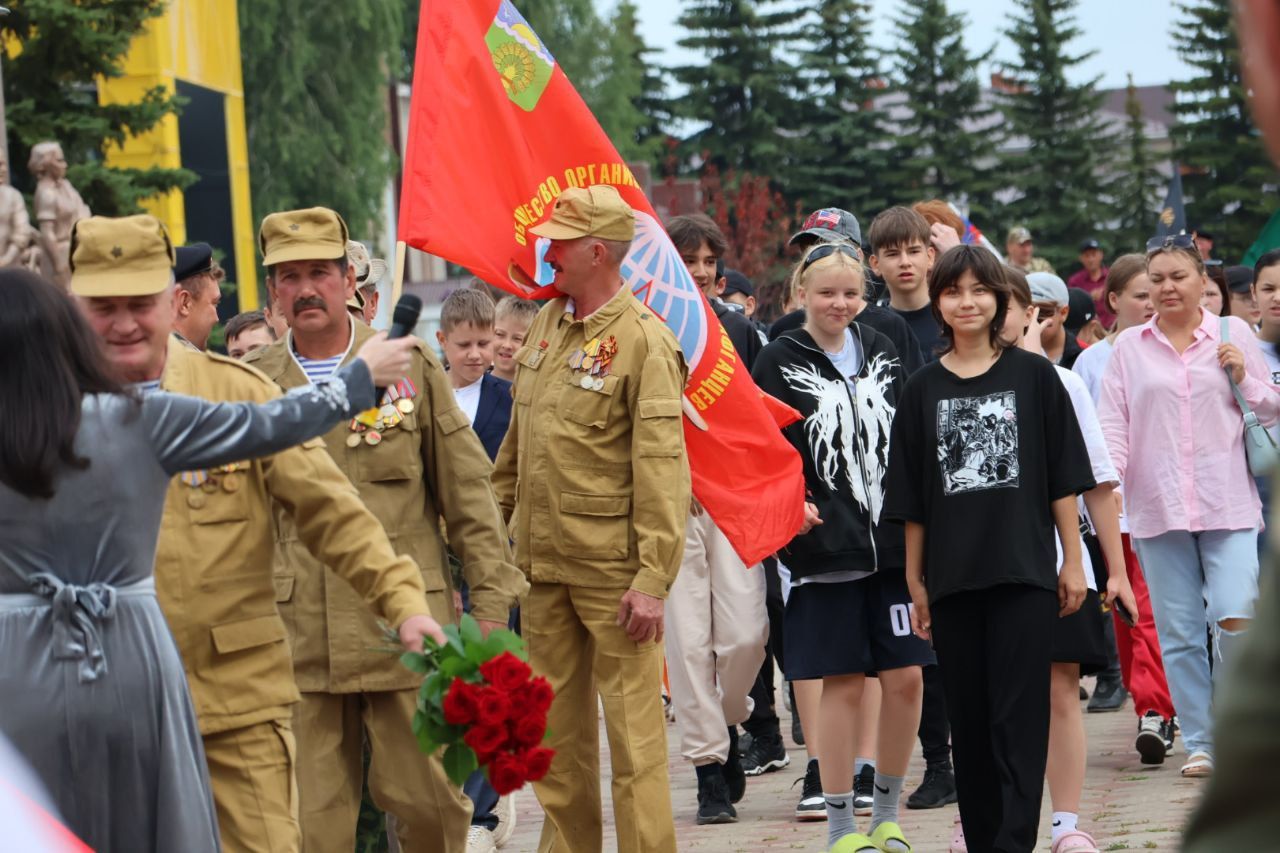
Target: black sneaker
937	790
765	755
744	742
1151	743
864	790
713	799
797	733
1108	695
812	805
1084	694
733	775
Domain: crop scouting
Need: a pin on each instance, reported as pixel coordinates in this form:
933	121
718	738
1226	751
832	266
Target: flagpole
397	280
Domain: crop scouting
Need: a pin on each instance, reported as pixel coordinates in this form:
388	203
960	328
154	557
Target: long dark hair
51	359
986	268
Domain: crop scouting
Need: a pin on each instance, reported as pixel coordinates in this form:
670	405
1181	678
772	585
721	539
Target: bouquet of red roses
480	702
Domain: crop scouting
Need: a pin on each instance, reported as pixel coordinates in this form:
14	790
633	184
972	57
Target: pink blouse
1174	430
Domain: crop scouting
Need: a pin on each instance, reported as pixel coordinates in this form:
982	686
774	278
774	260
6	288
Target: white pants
715	638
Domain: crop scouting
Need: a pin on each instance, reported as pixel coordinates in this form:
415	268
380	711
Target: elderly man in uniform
414	460
369	271
594	478
213	562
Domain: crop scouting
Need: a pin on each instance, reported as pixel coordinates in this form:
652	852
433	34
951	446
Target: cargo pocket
247	633
396	456
590	407
596	526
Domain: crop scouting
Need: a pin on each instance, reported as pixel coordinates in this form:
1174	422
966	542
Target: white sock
839	816
1063	822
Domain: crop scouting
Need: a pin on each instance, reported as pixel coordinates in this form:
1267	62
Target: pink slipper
1075	841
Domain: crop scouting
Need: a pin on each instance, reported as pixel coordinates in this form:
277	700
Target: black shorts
851	627
1079	638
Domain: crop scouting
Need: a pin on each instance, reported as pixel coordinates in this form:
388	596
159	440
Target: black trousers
935	731
764	715
995	650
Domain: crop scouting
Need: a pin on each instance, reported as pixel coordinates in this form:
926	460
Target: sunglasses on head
1173	241
826	250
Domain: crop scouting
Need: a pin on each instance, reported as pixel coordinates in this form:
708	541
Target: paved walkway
1126	806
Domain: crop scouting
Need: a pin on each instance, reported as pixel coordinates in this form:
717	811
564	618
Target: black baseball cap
1081	309
828	225
736	282
1239	279
1090	244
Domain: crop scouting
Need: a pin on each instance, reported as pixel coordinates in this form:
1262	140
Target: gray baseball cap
828	225
1047	287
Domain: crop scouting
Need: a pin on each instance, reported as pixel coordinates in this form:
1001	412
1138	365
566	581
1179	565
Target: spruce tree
1230	184
742	92
50	93
942	147
629	97
844	149
1060	148
316	104
1138	186
576	37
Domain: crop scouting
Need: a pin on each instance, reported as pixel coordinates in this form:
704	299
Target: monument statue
58	206
18	240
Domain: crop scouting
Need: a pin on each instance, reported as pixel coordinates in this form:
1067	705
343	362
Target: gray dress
92	691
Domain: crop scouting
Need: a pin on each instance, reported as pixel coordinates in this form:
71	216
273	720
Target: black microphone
403	320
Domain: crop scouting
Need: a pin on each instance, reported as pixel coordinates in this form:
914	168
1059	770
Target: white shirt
1103	471
1092	364
468	397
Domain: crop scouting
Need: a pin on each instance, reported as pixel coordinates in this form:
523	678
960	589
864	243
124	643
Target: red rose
537	762
485	740
540	695
506	773
506	672
493	707
460	705
529	729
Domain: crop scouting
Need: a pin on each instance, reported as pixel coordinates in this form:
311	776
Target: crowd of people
1012	481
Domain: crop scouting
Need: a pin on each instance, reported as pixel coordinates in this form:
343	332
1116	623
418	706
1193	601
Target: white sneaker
480	840
506	812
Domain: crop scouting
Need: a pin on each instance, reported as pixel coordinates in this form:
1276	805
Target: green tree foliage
1214	137
577	38
316	80
742	91
630	103
1138	186
942	147
842	152
1060	146
51	93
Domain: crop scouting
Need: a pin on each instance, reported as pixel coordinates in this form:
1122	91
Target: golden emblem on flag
521	59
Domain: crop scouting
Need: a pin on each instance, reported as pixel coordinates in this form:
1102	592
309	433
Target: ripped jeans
1198	580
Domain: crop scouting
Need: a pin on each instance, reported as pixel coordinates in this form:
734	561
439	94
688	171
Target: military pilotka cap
125	256
314	234
595	211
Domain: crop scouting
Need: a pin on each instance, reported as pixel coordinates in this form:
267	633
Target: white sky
1128	35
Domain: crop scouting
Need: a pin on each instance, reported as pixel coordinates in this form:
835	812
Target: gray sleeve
187	432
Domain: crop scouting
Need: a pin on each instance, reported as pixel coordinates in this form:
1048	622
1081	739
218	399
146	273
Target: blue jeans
1198	579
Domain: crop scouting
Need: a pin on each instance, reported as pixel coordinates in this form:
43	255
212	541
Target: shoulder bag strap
1235	389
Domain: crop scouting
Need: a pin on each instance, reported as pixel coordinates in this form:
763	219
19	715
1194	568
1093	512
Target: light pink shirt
1175	433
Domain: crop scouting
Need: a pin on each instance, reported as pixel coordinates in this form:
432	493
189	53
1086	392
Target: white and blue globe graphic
656	274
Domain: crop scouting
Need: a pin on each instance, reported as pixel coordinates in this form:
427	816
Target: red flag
496	133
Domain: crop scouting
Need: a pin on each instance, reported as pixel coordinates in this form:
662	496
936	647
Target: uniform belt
78	612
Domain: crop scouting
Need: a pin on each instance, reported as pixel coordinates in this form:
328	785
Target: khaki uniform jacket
213	562
430	465
595	480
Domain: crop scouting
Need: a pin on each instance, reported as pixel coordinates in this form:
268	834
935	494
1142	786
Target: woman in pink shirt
1192	506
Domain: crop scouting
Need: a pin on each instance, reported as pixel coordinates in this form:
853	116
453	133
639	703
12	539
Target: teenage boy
511	321
466	338
902	255
716	625
1053	300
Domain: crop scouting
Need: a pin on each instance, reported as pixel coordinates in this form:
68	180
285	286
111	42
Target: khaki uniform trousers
716	633
431	814
573	639
255	791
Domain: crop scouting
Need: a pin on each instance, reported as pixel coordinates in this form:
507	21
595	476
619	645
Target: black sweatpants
995	650
935	731
763	721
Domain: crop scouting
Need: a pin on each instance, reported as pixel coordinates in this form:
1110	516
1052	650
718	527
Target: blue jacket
493	415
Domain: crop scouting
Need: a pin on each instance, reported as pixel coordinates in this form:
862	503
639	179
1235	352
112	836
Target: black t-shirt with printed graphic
978	462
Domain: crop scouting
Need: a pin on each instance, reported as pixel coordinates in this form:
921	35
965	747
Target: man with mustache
414	460
213	559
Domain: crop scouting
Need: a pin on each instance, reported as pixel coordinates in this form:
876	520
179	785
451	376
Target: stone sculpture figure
58	206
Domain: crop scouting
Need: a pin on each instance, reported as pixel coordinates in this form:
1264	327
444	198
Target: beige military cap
595	211
316	233
124	256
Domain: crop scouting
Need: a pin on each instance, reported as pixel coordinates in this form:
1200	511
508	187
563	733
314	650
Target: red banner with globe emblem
496	133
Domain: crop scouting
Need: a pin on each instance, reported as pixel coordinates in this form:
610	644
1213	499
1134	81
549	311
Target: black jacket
843	473
886	321
740	330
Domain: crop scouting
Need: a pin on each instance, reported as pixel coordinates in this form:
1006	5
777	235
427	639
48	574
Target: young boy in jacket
848	612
